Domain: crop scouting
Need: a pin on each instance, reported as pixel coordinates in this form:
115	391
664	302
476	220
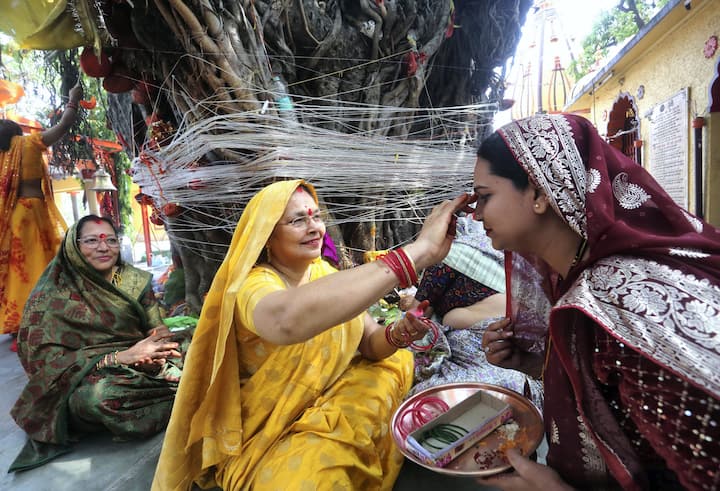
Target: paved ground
101	464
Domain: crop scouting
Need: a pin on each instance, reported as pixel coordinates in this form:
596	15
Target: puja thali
486	457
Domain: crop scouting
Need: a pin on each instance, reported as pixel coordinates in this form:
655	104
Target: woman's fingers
496	341
414	327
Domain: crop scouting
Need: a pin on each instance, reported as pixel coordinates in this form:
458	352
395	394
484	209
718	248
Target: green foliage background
612	28
46	77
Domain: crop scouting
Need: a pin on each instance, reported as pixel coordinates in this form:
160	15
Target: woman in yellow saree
289	383
31	226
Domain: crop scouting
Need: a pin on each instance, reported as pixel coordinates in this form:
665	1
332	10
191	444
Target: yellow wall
712	183
665	60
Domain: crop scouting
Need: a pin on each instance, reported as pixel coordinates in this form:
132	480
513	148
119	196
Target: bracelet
419	413
434	336
389	329
71	105
108	360
445	434
409	265
401	264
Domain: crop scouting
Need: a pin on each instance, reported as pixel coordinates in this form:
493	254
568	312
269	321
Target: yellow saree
252	415
31	229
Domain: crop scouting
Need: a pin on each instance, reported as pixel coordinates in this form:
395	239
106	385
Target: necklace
548	347
116	279
579	254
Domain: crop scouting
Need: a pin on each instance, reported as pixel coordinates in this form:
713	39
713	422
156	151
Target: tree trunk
382	55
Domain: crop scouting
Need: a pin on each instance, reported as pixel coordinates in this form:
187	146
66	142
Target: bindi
102	236
309	212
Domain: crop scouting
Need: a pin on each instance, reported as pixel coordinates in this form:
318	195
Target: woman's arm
54	133
487	308
297	314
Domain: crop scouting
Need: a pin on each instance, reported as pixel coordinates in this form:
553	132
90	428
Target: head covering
618	206
606	197
209	391
73	317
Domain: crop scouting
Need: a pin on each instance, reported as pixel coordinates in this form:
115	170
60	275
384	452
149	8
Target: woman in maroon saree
632	281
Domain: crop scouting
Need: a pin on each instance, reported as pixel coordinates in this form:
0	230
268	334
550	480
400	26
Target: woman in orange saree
31	227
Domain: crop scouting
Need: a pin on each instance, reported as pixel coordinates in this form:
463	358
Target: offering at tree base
445	437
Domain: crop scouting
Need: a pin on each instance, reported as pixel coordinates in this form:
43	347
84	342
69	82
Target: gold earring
537	206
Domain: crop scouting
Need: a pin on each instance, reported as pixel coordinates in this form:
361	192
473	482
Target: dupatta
73	317
9	183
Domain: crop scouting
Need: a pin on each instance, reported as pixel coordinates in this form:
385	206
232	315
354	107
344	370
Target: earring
537	206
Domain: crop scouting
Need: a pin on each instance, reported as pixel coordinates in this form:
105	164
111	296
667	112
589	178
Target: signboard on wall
668	146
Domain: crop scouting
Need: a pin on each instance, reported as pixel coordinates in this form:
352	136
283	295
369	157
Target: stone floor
101	464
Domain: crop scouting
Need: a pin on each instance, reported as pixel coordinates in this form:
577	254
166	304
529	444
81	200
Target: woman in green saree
94	348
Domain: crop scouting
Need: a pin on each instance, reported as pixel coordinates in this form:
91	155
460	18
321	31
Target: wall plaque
668	146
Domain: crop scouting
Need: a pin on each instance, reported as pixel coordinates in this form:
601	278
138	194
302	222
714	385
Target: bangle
389	329
446	434
419	413
71	105
435	335
400	263
409	265
108	360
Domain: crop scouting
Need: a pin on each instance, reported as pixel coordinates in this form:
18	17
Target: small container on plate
479	415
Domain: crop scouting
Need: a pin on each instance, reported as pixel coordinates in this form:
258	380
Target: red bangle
401	264
71	105
409	265
393	262
390	339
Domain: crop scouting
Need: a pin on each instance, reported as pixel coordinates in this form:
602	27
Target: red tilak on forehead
309	212
98	221
102	236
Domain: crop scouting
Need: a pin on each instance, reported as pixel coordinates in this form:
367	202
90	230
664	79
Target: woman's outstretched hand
527	476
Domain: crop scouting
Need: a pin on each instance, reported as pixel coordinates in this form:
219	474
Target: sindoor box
480	414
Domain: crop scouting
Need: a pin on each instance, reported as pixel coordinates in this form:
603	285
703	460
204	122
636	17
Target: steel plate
487	457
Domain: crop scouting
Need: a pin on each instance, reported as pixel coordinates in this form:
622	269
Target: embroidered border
672	316
544	146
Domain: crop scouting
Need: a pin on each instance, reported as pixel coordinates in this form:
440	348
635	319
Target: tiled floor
101	464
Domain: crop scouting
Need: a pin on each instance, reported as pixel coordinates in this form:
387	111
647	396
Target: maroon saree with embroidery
632	379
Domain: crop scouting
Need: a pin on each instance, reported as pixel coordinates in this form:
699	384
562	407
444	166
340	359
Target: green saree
74	317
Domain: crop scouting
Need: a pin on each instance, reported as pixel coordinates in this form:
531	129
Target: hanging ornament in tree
119	79
89	104
93	66
10	92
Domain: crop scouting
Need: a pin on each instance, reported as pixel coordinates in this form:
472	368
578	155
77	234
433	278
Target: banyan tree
377	102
